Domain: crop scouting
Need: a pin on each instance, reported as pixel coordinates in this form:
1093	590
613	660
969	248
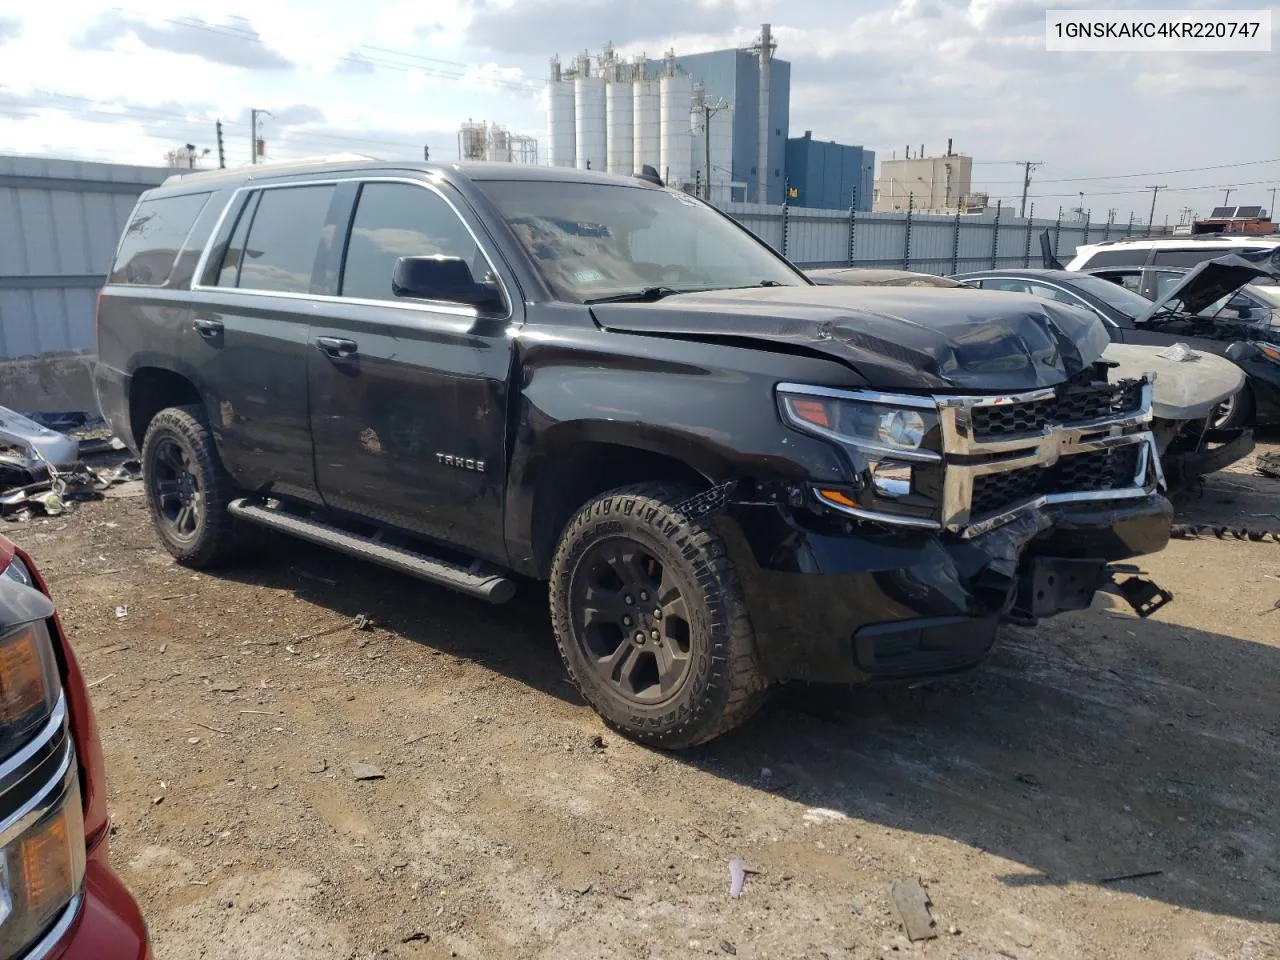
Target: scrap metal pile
41	468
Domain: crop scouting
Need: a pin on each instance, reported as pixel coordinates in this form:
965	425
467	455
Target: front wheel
1235	411
650	619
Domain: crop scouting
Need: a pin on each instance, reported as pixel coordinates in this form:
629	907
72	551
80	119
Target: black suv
729	475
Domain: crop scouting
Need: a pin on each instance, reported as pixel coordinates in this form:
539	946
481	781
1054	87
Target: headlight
41	870
875	424
17	570
1270	351
893	444
29	684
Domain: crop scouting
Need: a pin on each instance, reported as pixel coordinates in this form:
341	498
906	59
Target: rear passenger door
409	397
252	313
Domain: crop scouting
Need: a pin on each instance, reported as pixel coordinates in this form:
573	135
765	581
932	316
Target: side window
1052	293
1166	281
1123	257
284	238
154	237
1008	284
229	275
394	220
1189	258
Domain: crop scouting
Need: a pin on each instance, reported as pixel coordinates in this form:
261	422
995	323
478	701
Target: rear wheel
187	488
650	619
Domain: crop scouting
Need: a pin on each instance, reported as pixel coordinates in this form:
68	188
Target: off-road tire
724	684
217	537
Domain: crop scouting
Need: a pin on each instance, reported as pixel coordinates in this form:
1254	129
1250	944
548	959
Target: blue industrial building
734	76
827	174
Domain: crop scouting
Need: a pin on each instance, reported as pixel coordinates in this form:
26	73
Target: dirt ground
510	823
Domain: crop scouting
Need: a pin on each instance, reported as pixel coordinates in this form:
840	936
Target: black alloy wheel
632	621
175	486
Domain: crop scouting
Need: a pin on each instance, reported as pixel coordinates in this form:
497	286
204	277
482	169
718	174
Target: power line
1152	173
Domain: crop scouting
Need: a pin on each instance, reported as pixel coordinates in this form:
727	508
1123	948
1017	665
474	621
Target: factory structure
941	183
714	124
495	143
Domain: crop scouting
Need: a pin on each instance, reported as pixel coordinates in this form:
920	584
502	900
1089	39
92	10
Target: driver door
409	397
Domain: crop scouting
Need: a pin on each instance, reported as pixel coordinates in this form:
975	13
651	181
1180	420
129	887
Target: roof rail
275	166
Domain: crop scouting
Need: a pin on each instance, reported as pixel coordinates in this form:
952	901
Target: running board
480	579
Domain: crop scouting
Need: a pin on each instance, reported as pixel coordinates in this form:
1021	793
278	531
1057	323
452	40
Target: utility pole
426	152
256	144
222	154
1027	167
1155	191
1271	210
1226	197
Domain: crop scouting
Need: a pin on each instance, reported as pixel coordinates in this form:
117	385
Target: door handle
207	328
336	348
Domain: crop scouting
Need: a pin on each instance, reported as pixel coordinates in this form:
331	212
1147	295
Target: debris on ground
737	877
912	902
728	948
366	771
1131	876
1268	464
363	622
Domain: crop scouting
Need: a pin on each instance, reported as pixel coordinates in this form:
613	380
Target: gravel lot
510	823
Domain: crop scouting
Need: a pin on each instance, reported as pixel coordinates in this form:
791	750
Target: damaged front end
961	512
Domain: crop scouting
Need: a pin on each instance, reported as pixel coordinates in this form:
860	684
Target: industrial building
712	122
495	144
828	175
924	183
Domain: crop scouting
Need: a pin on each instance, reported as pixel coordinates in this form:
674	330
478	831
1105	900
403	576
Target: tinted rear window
284	239
153	239
1128	257
1189	258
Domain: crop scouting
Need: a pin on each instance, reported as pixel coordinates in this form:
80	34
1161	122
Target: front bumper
107	924
880	603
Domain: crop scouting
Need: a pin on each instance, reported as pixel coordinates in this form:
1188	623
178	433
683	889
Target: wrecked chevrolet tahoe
729	476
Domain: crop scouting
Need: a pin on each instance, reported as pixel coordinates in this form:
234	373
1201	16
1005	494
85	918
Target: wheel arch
152	389
575	462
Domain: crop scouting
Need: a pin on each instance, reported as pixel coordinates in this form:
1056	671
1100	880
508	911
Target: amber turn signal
28	675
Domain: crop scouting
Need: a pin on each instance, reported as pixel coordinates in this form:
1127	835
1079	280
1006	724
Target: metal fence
59	223
924	242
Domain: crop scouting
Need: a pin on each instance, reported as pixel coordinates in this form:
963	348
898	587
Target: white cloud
884	73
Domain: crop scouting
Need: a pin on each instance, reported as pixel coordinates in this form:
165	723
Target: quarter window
154	237
394	220
284	239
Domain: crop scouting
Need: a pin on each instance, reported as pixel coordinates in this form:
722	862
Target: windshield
1113	295
593	241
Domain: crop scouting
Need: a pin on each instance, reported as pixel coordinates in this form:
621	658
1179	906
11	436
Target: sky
385	77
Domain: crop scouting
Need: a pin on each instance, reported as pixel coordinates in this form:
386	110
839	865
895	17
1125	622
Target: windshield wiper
647	295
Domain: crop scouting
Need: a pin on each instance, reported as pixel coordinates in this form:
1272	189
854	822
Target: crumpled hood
895	337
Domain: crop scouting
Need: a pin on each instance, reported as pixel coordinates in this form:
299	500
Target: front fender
710	407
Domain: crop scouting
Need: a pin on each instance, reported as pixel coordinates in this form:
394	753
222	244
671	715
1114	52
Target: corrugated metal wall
59	223
925	243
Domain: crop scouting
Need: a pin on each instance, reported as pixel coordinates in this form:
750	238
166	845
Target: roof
343	163
1064	275
1165	243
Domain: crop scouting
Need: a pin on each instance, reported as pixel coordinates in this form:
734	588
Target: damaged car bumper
834	606
1001	507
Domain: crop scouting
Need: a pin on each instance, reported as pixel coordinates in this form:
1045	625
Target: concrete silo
561	120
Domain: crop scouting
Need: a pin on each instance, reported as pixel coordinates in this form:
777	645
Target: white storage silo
619	120
675	131
646	148
562	124
589	110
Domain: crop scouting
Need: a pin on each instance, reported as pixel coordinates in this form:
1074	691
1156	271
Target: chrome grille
1070	405
1079	473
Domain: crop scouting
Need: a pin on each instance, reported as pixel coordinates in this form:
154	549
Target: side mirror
1240	350
443	278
